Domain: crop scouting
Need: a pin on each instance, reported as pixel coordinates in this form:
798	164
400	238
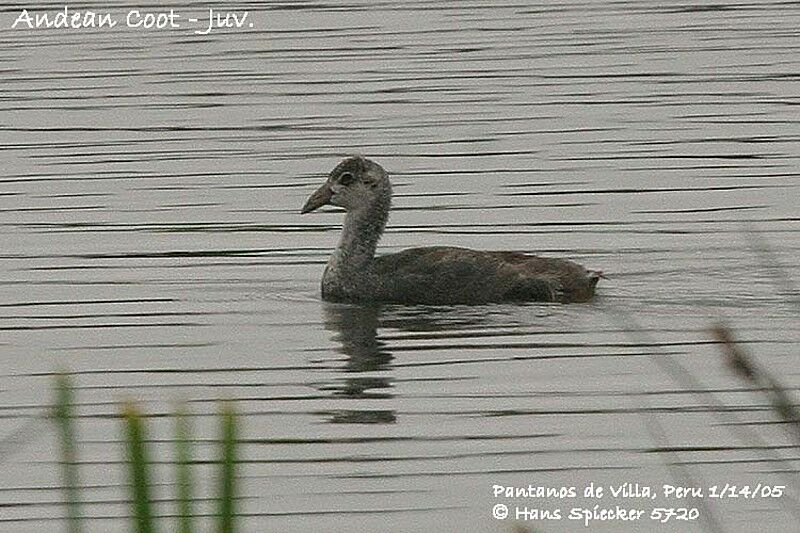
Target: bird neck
360	235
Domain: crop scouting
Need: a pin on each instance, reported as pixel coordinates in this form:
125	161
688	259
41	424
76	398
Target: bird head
356	183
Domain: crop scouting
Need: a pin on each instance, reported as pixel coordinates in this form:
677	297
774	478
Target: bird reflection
369	359
356	329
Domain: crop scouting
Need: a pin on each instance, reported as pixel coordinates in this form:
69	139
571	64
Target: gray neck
348	274
360	235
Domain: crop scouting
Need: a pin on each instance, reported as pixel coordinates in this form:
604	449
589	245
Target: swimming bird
431	275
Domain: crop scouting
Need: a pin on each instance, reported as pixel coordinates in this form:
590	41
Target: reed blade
64	416
139	466
227	481
743	364
183	472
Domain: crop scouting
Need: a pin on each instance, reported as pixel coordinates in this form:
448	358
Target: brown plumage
430	275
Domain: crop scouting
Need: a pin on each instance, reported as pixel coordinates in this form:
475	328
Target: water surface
151	243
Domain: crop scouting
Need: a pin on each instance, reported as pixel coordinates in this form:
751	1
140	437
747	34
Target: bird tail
595	275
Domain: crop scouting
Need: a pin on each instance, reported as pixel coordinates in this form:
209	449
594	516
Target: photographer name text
590	503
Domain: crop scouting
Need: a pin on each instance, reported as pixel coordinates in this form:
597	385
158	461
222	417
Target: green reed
227	482
64	415
140	470
183	458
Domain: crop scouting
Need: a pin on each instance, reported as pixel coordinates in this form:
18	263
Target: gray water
150	243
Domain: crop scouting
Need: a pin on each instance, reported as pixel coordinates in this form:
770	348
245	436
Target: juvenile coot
430	275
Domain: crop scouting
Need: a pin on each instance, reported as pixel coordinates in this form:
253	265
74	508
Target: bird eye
346	178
